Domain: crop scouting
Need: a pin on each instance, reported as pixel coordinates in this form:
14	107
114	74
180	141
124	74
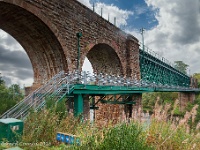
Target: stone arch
37	35
104	59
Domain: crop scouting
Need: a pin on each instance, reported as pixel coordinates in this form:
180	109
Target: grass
42	128
165	132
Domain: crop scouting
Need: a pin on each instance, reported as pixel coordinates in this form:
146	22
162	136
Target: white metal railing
33	100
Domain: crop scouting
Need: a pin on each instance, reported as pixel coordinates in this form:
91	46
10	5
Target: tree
197	76
149	99
9	96
181	66
2	82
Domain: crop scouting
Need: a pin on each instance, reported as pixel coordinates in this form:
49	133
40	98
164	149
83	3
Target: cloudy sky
172	29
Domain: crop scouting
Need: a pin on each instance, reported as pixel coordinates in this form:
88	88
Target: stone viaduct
47	29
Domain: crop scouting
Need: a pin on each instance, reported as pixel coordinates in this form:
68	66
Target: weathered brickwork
184	98
109	114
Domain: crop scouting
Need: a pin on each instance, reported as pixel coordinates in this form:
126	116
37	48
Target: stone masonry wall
184	98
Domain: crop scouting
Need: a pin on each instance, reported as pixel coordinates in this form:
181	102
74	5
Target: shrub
123	137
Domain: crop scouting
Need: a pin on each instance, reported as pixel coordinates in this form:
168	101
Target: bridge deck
114	90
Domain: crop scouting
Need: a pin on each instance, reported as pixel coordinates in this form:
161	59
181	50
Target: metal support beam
78	105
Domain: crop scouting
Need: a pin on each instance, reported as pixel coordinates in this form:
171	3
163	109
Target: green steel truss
154	70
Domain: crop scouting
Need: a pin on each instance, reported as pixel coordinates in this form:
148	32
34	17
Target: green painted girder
107	90
98	90
175	90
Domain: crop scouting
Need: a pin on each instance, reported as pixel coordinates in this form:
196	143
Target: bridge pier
115	113
131	109
138	99
86	107
30	89
184	98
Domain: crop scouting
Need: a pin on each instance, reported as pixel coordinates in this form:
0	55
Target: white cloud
86	3
110	11
114	11
140	10
9	42
177	34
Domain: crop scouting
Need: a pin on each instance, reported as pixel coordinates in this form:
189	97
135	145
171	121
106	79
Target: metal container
11	129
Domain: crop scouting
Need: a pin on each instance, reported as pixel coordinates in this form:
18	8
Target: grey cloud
7	80
24	74
16	59
187	16
10	41
15	66
20	73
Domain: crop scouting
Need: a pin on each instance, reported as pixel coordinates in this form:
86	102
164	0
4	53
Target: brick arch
37	35
104	58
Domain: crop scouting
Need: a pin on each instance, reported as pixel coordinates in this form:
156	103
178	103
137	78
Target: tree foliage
9	96
2	82
197	76
149	99
181	66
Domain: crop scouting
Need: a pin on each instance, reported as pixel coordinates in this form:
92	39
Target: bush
125	137
121	137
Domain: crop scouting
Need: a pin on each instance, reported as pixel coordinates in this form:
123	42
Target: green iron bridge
161	71
156	76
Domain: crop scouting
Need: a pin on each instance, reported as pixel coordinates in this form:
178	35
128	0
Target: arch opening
87	66
104	59
40	43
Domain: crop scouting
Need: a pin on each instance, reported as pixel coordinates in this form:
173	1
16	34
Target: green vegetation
197	76
181	66
149	99
9	96
164	132
41	128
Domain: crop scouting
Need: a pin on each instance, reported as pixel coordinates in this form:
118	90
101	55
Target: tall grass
165	132
42	128
172	133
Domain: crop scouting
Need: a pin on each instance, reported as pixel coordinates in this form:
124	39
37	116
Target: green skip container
11	129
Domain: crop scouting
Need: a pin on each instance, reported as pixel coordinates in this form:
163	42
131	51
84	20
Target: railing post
142	33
